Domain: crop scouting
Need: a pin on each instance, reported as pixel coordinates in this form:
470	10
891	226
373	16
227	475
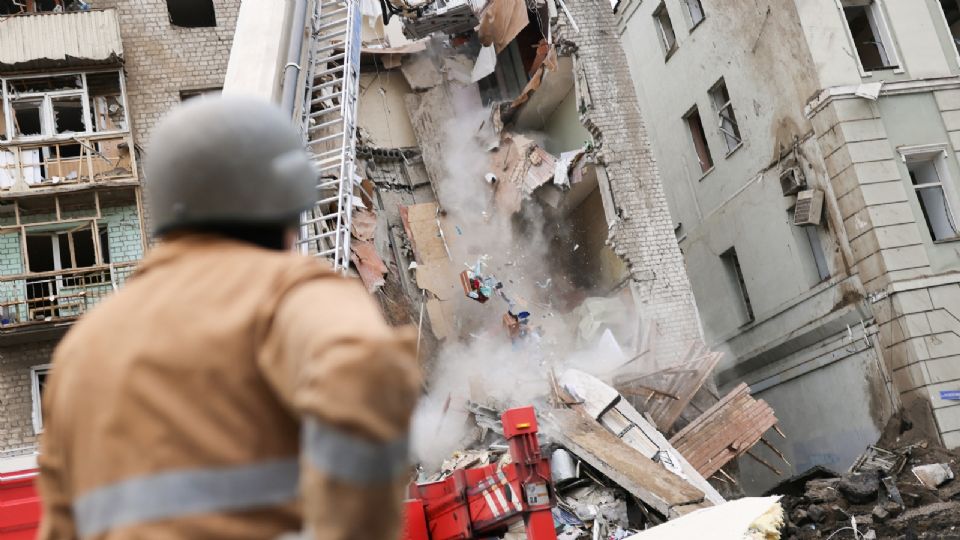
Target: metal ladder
329	125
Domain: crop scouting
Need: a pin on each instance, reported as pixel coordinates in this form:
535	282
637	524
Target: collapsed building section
509	207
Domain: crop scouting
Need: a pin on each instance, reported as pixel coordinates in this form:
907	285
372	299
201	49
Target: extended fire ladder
329	125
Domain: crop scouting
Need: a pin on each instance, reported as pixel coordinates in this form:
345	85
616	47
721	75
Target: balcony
60	296
83	159
33	41
64	129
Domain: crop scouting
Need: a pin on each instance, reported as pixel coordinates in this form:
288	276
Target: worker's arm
354	381
57	512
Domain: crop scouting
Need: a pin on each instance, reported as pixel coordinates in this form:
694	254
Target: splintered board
725	431
650	482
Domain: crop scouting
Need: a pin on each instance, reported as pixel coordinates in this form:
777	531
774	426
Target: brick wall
643	235
16	402
161	60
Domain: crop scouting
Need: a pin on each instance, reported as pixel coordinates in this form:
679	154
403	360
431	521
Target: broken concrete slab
658	488
933	475
608	407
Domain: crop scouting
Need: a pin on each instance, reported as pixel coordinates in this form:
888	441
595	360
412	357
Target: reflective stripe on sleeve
174	494
352	459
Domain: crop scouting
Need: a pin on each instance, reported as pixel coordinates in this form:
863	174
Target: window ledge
697	25
707	172
892	69
669	54
734	150
948	240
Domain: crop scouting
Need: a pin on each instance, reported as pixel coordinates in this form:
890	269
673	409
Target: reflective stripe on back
352	459
179	493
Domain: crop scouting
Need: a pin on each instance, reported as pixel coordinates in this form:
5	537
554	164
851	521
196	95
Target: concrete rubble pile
901	487
614	473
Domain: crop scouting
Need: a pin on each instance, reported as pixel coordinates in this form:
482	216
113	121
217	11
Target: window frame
938	155
946	25
692	24
36	412
695	110
876	13
719	108
213	13
731	262
47	118
668	50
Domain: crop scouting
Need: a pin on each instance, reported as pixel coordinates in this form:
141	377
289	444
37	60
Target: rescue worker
231	389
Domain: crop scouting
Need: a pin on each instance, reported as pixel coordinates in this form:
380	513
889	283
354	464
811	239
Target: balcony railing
82	159
62	295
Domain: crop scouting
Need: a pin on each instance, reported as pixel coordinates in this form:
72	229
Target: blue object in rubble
950	395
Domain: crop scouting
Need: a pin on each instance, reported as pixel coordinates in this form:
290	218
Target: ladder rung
327	124
335	58
330	137
329	154
328	110
330	70
331	24
327	85
332	13
332	46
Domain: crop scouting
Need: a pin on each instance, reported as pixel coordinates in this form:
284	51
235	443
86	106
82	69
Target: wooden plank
657	487
676	408
712	410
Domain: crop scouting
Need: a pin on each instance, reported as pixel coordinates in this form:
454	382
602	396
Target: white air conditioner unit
792	179
809	209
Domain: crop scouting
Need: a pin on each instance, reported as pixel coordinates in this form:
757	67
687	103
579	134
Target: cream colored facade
835	324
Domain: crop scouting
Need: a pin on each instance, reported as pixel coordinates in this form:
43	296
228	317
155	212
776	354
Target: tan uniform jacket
193	402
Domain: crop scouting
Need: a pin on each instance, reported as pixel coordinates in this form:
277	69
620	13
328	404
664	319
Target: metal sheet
47	39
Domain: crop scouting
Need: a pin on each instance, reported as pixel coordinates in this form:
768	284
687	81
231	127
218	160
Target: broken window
64	104
192	13
38	383
14	7
27	117
695	10
926	175
731	264
727	118
106	101
870	36
951	11
665	29
68	115
699	139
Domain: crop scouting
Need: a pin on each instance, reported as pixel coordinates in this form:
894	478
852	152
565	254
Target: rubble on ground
615	474
901	487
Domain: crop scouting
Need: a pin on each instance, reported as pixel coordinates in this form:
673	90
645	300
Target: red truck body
19	505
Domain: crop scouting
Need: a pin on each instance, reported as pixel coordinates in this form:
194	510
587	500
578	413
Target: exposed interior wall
563	128
381	112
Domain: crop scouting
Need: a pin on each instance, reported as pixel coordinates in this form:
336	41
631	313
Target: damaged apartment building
808	153
82	83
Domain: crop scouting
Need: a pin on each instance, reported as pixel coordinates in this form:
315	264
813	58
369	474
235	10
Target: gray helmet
227	161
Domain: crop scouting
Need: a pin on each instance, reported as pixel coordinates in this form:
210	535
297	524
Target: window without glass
64	104
951	10
695	9
727	120
192	13
869	31
665	29
38	380
927	177
699	139
207	92
731	264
